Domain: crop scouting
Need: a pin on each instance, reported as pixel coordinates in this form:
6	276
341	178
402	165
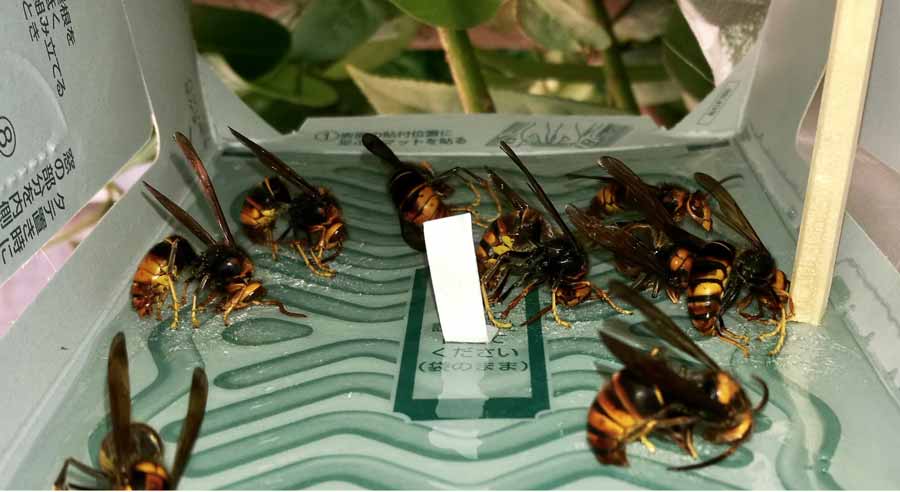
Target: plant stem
618	84
469	81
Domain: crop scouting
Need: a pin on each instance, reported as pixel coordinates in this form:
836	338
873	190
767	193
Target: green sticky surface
330	400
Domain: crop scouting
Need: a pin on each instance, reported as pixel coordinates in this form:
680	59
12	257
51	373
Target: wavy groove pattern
551	473
346	281
285	399
406	259
305	360
310	302
793	454
264	331
384	428
399	433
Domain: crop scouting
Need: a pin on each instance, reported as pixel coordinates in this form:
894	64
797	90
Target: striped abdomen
151	280
261	208
681	263
415	198
150	283
621	407
496	240
709	277
518	231
609	200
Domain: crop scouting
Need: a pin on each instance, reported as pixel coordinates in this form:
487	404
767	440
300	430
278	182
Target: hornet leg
299	247
780	330
272	243
62	482
729	336
233	303
194	321
490	312
515	302
602	294
171	275
556	317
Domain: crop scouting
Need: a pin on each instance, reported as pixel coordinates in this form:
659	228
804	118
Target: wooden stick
843	99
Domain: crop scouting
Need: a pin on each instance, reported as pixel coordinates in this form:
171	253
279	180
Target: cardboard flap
73	110
721	112
168	64
793	55
471	134
878	134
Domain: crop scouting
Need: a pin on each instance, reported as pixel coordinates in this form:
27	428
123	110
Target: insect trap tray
364	393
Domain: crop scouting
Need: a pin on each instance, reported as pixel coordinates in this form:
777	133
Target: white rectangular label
454	277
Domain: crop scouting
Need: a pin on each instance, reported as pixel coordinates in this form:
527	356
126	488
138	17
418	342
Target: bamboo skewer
837	132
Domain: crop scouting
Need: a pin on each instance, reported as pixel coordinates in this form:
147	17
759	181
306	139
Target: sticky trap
365	372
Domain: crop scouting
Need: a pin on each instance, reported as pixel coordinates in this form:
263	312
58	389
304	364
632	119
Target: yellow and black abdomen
518	231
680	265
262	206
416	200
151	280
492	243
621	407
495	242
144	466
609	199
709	278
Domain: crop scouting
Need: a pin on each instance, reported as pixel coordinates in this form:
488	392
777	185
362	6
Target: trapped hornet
612	199
524	245
660	394
419	194
313	213
131	455
223	268
719	271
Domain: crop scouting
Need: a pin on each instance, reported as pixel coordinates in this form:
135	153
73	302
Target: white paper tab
454	279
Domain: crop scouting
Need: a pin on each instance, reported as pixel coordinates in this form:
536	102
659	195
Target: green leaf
418	64
556	25
517	65
684	59
393	96
643	20
289	83
328	29
453	14
387	43
252	44
286	83
286	117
